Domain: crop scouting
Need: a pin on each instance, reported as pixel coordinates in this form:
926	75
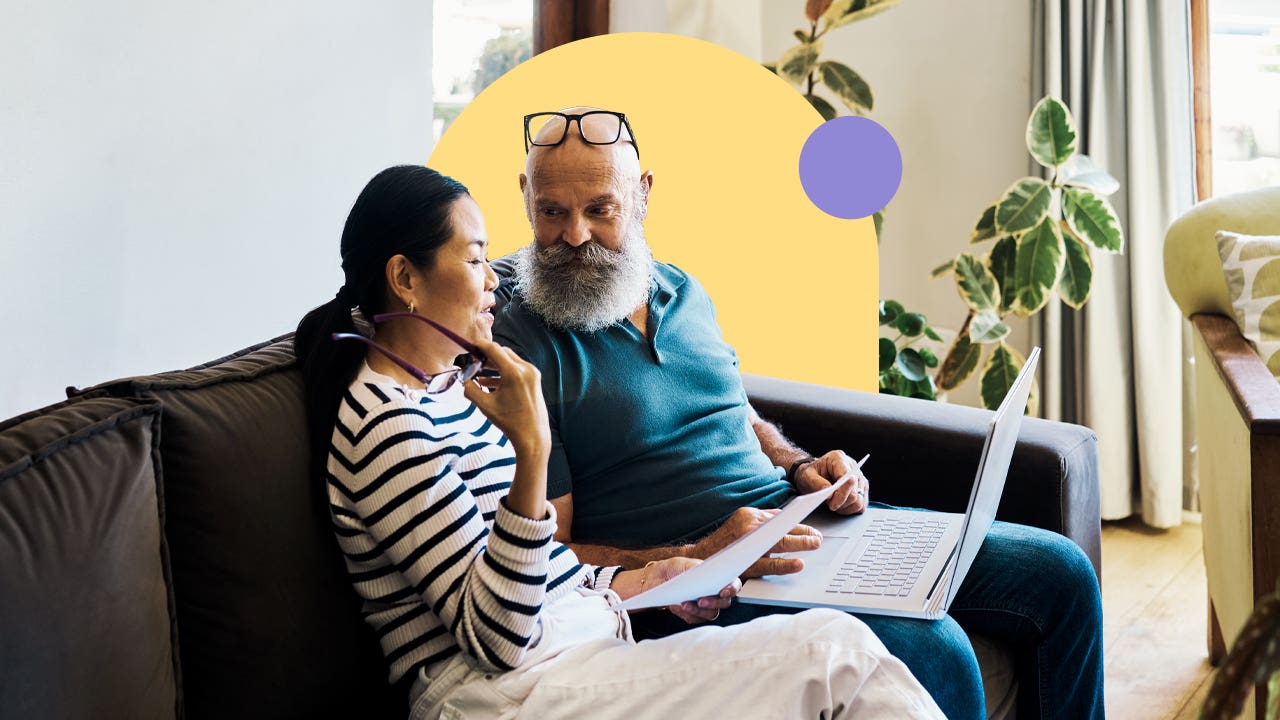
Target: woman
437	493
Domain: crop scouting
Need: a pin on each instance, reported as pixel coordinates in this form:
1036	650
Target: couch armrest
1256	395
925	454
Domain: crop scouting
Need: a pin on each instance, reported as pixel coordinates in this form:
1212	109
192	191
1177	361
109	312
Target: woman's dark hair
404	210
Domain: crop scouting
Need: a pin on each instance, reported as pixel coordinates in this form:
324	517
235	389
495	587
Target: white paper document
717	571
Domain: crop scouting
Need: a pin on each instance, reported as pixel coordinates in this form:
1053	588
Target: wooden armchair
1237	417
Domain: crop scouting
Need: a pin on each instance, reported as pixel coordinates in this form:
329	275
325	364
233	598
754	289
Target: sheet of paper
722	568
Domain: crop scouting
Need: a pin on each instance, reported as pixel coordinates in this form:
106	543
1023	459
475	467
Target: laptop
907	563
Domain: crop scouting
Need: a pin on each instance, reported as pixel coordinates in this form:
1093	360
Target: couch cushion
85	607
270	624
1251	266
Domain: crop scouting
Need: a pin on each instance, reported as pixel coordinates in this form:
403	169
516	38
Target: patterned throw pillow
1251	265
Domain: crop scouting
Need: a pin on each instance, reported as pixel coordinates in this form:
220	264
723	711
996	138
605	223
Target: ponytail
328	367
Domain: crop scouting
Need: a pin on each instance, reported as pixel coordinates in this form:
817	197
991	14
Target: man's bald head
622	155
577	191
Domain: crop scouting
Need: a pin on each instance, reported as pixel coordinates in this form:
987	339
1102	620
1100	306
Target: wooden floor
1153	600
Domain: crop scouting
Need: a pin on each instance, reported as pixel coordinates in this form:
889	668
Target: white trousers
817	664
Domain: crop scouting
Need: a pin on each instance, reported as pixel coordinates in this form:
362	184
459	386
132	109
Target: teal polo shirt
650	434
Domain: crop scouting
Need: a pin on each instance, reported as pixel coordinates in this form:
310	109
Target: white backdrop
174	175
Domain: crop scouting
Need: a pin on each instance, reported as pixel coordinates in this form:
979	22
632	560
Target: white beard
602	290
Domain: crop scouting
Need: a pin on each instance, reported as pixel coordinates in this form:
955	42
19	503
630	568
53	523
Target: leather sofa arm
925	454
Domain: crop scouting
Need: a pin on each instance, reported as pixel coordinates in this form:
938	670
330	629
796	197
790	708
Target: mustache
589	253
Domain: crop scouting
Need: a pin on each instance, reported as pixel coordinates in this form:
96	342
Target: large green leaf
847	85
976	284
1051	136
888	353
1092	219
823	107
1082	171
986	227
1038	265
987	328
910	324
795	64
889	311
1024	205
843	12
1001	261
910	364
1077	272
960	362
998	376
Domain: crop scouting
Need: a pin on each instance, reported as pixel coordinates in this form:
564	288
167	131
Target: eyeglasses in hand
471	365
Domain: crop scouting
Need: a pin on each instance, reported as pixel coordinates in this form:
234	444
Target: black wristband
791	474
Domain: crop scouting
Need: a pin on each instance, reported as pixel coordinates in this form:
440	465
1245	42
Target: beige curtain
1118	365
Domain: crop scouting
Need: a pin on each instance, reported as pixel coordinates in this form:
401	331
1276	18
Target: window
1244	92
474	42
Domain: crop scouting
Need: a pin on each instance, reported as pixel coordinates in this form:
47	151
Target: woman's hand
516	407
694	611
515	402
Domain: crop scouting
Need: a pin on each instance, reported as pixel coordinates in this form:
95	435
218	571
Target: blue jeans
1031	589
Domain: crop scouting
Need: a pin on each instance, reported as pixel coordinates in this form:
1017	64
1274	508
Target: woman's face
458	292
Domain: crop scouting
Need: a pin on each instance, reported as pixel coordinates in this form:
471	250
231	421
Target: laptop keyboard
893	558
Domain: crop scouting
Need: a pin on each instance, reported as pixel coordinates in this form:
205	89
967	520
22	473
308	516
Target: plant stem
813	29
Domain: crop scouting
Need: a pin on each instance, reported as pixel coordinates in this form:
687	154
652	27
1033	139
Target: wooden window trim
556	22
1200	96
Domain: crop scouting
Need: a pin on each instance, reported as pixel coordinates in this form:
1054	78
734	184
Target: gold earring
410	307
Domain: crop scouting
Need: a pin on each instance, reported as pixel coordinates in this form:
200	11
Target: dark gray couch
240	607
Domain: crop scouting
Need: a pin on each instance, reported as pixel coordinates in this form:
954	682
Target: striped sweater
416	485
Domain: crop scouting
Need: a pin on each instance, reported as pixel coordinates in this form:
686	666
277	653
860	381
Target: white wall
174	175
734	24
952	82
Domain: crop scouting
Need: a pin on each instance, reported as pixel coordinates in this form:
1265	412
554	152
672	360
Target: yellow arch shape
795	289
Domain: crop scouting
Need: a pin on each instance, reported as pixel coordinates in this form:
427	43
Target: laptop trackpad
824	558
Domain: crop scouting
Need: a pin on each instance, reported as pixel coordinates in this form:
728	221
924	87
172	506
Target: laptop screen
997	452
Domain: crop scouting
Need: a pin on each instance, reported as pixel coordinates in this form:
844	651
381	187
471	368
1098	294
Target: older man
657	452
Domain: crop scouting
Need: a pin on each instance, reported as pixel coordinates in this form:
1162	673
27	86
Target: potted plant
1042	233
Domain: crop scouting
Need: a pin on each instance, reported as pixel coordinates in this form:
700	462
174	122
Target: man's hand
826	470
743	521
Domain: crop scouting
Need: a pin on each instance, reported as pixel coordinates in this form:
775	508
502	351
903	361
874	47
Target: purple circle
850	167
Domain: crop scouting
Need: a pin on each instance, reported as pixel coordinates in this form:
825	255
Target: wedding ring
715	617
860	491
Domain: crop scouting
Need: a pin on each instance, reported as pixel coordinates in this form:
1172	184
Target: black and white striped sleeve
486	587
601	577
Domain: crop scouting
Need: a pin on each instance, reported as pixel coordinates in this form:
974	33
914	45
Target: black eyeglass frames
597	127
